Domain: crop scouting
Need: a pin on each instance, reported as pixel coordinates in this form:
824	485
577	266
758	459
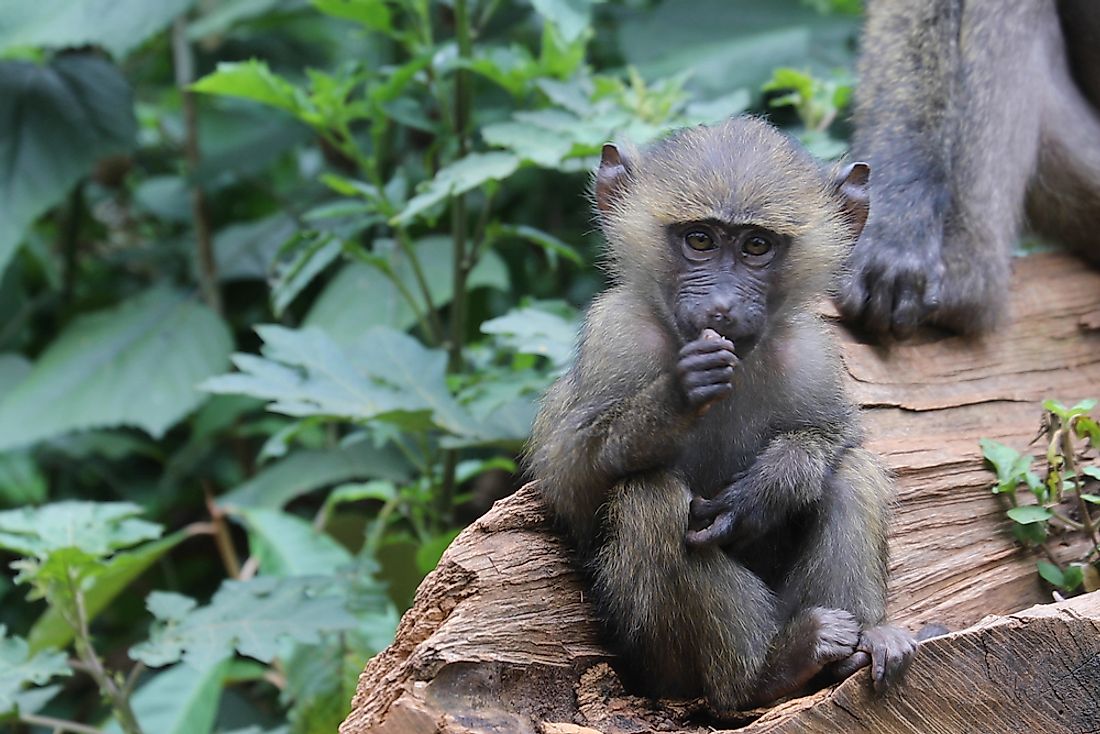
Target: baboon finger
717	532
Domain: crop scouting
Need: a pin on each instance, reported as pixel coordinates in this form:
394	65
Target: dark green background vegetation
280	284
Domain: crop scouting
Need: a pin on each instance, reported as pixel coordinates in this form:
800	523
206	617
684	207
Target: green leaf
387	376
457	178
1051	573
305	471
21	482
1032	534
1006	461
96	528
101	587
371	14
55	122
531	143
313	253
428	554
118	25
571	17
252	80
1027	514
1072	577
253	617
362	295
110	368
286	545
1094	499
20	666
247	250
552	245
531	330
13	369
179	700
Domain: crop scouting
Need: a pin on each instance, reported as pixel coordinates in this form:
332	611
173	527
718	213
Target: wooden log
501	637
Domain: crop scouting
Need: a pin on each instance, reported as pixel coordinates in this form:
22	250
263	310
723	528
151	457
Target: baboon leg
688	621
1064	199
844	566
995	152
947	117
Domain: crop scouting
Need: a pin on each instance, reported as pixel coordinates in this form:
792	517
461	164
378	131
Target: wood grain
501	639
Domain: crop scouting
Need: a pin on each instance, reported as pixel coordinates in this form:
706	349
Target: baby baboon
972	115
702	454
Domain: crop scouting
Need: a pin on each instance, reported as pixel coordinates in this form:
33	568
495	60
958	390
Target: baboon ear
611	178
855	196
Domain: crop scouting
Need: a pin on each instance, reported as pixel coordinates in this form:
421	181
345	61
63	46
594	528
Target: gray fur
970	114
625	459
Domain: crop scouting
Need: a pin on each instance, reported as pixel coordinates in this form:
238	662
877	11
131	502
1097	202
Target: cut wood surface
502	639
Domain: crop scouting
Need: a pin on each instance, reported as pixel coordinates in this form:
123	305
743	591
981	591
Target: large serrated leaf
100	589
386	375
55	122
118	25
20	666
252	617
95	528
136	364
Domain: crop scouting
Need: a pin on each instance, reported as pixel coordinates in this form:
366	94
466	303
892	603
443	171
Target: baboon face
725	273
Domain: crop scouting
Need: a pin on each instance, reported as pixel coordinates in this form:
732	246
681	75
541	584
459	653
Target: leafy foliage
253	617
20	666
1061	503
374	211
98	384
56	121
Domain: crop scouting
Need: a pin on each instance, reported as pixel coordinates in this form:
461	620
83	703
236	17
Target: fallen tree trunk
501	637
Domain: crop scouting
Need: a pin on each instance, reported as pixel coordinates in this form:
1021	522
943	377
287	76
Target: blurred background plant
280	284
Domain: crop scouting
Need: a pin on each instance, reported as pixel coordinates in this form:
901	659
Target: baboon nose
720	317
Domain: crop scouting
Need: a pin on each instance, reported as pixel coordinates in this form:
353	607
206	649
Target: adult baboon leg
687	620
946	116
1064	199
844	565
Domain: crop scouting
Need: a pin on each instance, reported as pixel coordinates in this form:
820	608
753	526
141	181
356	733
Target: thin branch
222	538
184	62
58	725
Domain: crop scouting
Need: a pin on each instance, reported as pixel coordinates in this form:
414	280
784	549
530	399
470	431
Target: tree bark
502	639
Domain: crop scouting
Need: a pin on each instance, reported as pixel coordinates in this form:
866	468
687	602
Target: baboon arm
789	475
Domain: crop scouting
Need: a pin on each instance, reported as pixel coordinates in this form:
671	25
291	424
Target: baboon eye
698	240
756	246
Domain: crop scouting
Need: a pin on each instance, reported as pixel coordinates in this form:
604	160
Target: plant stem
405	242
184	62
222	538
115	695
58	725
462	100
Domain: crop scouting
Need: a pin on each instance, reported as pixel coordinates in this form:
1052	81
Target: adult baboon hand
889	287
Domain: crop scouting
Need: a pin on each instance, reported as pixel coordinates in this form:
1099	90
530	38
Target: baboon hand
730	518
890	288
705	370
837	635
891	650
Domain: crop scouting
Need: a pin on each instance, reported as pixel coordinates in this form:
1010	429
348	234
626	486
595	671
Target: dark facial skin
723	282
720	304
